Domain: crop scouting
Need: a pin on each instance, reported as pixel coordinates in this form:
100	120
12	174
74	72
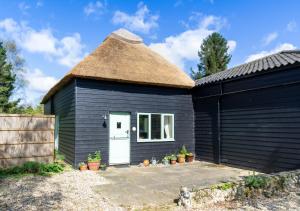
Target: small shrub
255	181
51	168
32	167
14	170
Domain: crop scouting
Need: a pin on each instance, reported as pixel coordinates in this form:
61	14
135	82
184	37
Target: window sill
154	141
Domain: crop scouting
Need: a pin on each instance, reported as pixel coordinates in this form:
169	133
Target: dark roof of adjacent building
267	63
123	57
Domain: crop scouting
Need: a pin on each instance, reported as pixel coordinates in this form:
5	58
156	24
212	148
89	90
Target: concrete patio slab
160	185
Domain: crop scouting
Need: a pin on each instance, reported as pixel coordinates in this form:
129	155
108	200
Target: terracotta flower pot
173	162
181	158
94	166
83	167
146	162
190	158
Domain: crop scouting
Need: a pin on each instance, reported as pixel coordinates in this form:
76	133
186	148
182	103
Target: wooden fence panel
26	138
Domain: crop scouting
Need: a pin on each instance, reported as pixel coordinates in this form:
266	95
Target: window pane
155	126
143	126
168	127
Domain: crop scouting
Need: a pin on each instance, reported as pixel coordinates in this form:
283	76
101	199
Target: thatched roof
125	58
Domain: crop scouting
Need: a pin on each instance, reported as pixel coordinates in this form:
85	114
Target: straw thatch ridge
126	61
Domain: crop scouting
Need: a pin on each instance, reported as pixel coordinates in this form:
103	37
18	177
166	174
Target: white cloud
291	26
231	45
182	48
142	21
199	19
39	41
281	47
38	83
94	8
270	38
66	51
9	25
72	48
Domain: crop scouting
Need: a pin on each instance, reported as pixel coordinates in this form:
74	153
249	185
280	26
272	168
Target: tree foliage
12	81
17	63
7	81
213	55
39	109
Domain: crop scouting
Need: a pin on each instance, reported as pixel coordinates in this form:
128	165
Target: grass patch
35	168
29	168
223	186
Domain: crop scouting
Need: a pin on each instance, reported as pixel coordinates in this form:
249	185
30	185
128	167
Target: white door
119	138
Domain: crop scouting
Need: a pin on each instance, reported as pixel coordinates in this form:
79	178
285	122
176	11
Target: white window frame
149	129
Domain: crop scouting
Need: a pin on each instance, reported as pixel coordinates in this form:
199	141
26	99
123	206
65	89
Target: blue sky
54	35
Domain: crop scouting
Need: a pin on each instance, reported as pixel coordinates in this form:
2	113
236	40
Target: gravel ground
71	190
289	201
74	190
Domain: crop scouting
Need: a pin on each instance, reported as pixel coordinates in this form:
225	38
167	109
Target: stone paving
160	185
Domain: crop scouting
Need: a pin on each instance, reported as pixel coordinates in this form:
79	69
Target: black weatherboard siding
206	134
259	125
97	98
62	104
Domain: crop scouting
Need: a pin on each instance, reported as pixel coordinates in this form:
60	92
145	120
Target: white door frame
129	133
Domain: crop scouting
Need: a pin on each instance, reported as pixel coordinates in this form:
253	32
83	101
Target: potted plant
103	167
166	160
181	158
190	157
82	166
146	162
94	161
173	159
183	150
